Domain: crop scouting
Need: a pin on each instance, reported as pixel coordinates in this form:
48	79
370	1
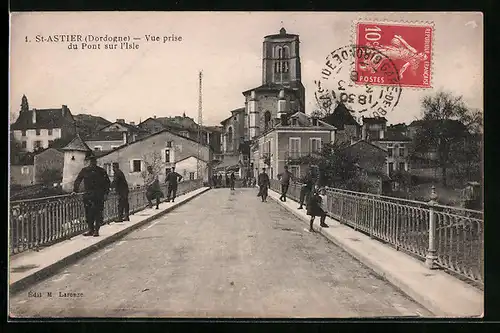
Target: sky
161	79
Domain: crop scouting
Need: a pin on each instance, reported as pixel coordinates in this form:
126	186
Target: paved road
221	255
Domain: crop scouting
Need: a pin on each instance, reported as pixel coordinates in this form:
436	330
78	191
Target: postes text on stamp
339	82
408	46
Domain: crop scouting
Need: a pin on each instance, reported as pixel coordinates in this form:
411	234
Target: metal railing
44	221
443	236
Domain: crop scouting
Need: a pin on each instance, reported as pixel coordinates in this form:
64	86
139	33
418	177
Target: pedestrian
120	185
214	180
219	180
285	177
315	207
153	190
232	180
173	179
307	187
263	185
226	184
96	182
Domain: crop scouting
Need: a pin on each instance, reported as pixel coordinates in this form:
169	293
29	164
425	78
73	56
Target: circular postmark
365	96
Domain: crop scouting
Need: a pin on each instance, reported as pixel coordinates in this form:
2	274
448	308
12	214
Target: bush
50	176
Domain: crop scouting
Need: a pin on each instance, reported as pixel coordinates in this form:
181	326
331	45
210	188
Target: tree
446	122
153	159
15	149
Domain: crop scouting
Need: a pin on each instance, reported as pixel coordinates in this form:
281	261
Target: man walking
120	185
173	178
307	187
232	180
285	177
96	182
263	185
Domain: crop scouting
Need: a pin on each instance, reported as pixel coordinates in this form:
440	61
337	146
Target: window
391	168
402	166
97	148
267	120
136	165
401	151
184	133
277	67
49	131
294	147
314	121
24	144
25	170
230	139
284	66
37	144
37	131
51	142
295	170
315	145
389	152
294	122
169	144
23	132
191	176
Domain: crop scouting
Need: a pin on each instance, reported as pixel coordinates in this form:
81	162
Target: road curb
398	283
52	269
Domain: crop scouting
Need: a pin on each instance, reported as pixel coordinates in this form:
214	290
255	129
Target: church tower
282	92
24	104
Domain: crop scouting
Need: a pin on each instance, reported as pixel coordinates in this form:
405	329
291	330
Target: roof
424	122
23	159
131	128
152	135
104	136
282	34
270	87
45	118
213	128
77	144
364	141
238	110
340	117
229	161
376	120
185	158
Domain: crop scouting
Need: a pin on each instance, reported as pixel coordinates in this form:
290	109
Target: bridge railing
44	221
444	236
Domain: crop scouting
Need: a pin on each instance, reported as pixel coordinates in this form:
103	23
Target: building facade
38	128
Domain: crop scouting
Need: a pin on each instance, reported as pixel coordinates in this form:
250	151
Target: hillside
86	123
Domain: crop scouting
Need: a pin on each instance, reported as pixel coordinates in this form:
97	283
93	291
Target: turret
75	153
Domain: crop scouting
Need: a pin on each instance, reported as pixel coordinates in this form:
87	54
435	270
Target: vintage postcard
246	165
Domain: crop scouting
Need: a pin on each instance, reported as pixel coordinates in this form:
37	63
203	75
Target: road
223	254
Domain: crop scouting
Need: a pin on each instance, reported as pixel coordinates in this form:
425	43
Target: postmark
409	46
340	76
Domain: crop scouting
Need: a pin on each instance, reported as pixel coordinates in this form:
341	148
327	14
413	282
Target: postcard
246	165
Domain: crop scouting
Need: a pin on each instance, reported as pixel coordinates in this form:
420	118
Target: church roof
340	117
77	144
270	87
282	34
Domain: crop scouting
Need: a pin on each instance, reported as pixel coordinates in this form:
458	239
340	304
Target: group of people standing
228	180
97	185
310	193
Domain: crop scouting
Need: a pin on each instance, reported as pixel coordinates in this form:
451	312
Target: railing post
341	217
430	259
372	222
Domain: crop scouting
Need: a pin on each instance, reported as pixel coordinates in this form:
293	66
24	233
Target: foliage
15	148
50	176
448	122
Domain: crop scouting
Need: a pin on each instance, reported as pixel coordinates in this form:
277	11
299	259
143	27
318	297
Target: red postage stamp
409	47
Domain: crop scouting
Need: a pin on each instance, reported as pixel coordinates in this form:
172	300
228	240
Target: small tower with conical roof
24	104
75	153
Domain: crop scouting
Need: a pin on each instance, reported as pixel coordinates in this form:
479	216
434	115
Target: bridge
223	253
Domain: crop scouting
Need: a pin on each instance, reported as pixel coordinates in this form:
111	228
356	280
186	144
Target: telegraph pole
200	124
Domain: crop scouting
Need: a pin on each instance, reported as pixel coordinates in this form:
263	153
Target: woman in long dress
153	189
315	208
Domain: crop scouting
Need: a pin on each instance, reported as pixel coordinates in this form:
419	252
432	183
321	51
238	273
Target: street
223	254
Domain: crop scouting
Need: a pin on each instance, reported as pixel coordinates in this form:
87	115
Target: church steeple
24	104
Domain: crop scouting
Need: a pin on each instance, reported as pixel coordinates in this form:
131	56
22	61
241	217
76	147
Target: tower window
284	65
267	120
286	52
277	67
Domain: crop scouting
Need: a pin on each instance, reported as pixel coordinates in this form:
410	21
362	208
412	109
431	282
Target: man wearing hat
96	182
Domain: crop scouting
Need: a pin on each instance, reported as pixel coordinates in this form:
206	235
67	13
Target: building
106	141
281	87
39	128
162	150
75	154
22	171
290	142
49	165
348	129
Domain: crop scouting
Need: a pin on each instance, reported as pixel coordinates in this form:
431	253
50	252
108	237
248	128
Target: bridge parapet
443	236
44	221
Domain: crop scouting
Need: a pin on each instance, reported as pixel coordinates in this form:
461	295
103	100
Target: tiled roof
131	128
45	119
394	135
77	144
340	117
270	87
104	136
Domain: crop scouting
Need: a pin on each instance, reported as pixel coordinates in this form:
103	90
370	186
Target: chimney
132	123
381	134
283	120
154	116
64	110
120	121
34	116
124	138
363	131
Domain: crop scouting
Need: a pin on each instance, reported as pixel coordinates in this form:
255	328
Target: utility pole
200	124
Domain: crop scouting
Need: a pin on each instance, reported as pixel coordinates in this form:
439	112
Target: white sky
161	79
